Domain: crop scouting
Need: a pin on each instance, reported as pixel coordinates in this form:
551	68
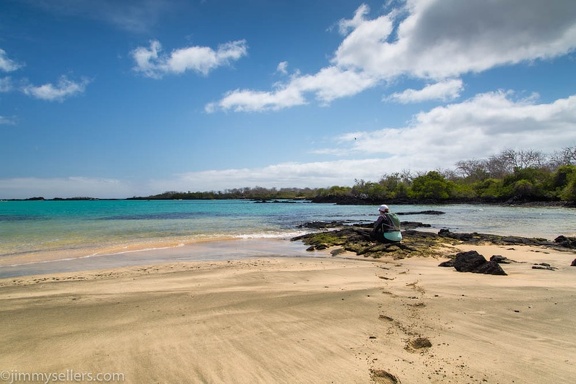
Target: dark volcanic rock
322	224
561	242
474	262
468	261
413	225
491	268
447	264
357	238
501	259
567	242
544	266
429	212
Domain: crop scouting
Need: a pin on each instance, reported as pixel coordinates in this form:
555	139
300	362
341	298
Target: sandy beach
344	319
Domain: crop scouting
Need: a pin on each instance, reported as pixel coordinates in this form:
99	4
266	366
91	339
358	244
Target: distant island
512	177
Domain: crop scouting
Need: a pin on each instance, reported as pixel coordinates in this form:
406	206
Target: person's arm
377	224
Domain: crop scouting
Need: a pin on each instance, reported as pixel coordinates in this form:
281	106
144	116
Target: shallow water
33	231
205	251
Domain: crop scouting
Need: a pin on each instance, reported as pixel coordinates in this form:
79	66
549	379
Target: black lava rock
474	262
468	261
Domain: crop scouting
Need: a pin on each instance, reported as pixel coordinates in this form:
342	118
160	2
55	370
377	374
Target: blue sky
121	98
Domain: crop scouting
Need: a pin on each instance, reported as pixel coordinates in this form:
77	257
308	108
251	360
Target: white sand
298	320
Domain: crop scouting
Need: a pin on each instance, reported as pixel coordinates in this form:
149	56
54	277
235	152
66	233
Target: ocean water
55	230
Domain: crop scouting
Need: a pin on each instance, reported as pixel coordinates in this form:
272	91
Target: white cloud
282	67
6	64
447	38
65	88
327	85
315	174
443	90
50	92
429	40
345	26
476	128
251	101
7	120
152	63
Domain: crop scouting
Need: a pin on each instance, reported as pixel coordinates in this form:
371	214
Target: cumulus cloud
151	62
443	90
7	64
327	85
429	40
56	92
476	128
448	38
253	101
51	92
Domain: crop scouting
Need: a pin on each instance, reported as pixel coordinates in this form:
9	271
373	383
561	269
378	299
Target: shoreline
92	239
212	249
208	248
299	319
59	254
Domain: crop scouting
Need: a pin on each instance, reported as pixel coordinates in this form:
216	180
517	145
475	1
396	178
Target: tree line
511	176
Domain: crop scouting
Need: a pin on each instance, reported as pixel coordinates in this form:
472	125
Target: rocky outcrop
561	242
501	259
474	262
428	212
357	238
544	266
566	242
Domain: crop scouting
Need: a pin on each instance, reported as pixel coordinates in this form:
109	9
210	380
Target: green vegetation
511	176
257	193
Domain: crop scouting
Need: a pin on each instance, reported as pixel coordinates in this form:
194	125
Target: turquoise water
83	228
48	226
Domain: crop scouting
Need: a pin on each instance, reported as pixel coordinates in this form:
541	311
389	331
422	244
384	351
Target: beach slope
344	319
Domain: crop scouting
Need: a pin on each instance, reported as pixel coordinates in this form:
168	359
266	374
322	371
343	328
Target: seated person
387	227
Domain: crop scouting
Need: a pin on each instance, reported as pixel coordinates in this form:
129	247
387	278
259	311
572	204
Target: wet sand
208	250
344	319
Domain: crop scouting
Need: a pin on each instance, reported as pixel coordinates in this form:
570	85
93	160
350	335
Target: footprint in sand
418	343
380	376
